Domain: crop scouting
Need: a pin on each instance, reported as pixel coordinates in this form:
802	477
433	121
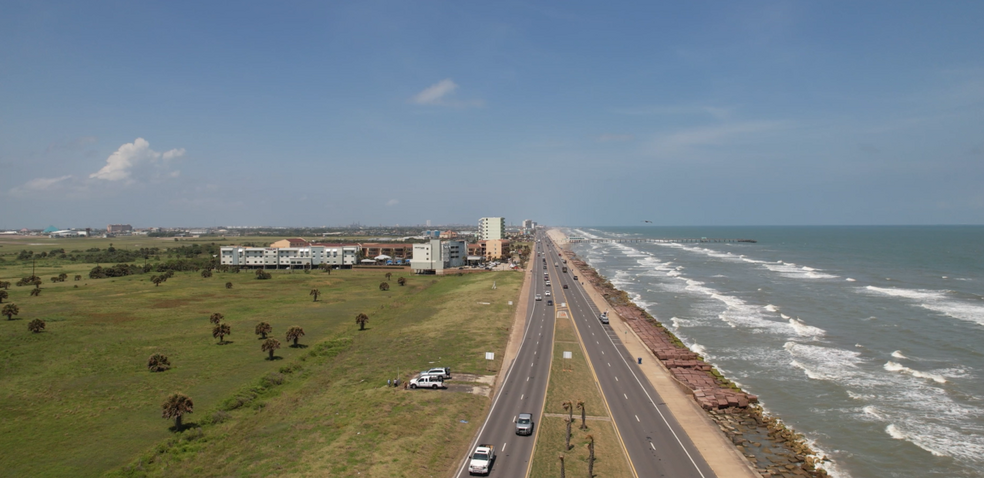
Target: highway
523	389
656	444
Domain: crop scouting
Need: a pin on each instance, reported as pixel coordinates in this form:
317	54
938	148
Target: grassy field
575	383
78	400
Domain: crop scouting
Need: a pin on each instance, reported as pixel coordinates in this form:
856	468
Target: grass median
571	380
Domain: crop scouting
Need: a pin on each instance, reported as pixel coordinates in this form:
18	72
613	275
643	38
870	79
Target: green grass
575	383
78	400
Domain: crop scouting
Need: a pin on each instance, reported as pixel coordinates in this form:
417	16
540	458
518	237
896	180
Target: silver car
524	424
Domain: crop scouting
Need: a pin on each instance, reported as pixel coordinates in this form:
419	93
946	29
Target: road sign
489	355
568	355
567	365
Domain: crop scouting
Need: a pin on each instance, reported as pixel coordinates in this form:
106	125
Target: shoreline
731	431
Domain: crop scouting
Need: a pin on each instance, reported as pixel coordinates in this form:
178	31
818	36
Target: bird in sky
649	222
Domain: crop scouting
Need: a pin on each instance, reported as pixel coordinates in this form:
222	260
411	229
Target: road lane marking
616	379
654	448
504	446
637	419
522	396
626	396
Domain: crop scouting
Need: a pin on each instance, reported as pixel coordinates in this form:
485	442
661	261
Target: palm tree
3	295
262	329
10	310
221	331
216	318
402	281
384	286
228	285
567	442
35	292
388	275
36	325
294	332
569	406
157	280
158	363
269	346
580	406
590	455
315	293
206	274
360	319
175	406
562	474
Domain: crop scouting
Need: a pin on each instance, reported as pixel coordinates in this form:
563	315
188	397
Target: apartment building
434	256
292	257
491	228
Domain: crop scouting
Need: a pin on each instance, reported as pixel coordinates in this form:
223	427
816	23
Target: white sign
568	355
489	355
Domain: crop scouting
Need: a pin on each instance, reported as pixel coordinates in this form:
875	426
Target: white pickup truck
427	381
481	460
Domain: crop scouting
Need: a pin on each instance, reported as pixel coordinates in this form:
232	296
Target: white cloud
438	94
39	184
615	137
392	202
121	164
715	135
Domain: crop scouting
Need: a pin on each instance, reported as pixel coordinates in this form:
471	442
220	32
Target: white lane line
609	364
531	364
527	379
503	446
637	419
653	447
626	396
616	379
522	396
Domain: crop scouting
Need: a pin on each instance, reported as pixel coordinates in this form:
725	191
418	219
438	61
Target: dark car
565	286
550	302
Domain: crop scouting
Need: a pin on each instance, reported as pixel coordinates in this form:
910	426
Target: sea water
868	340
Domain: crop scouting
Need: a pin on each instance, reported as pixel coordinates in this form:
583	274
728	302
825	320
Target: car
524	424
427	382
575	277
443	372
546	293
604	317
539	297
549	302
547	284
565	286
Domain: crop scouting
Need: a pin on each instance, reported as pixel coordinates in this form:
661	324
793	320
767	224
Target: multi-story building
491	228
371	250
434	256
293	257
490	250
291	242
119	229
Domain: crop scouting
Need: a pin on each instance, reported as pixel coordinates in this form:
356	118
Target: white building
491	228
435	256
294	257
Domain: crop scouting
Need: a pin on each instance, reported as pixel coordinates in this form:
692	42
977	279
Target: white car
443	372
427	382
547	293
539	297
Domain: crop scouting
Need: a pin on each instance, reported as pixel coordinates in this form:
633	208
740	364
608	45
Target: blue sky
569	113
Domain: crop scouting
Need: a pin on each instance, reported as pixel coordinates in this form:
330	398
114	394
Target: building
449	234
491	228
434	256
289	257
119	229
527	224
397	252
490	250
291	242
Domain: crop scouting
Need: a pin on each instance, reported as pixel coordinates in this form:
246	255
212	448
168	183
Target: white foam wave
771	308
793	271
935	300
849	279
897	367
804	330
896	433
698	349
898	354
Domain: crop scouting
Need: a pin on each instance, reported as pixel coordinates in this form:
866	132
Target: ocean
867	340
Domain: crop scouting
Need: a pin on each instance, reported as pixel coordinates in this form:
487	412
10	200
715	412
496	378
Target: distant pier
574	240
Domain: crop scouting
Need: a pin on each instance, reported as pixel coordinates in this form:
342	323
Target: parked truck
563	269
481	460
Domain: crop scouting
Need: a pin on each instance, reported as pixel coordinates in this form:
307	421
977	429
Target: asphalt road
522	391
656	444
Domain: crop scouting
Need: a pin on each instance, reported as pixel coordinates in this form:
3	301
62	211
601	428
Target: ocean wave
804	330
935	300
898	354
897	367
771	308
849	279
793	271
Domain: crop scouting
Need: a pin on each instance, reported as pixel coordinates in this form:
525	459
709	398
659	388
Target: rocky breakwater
772	448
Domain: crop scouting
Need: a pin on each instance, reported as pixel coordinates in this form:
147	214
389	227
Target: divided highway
522	391
656	444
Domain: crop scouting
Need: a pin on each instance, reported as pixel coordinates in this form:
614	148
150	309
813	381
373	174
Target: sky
573	113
